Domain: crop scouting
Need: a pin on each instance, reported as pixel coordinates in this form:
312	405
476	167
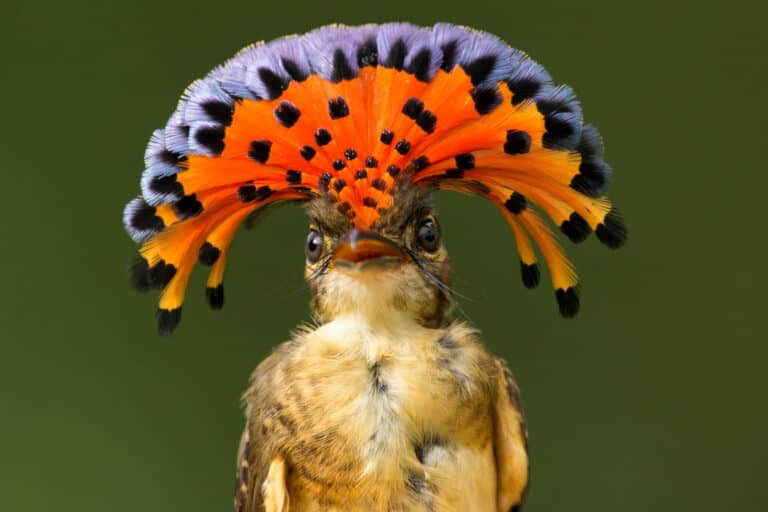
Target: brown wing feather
510	443
263	438
247	488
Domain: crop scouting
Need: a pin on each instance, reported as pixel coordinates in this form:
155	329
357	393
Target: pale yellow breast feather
405	407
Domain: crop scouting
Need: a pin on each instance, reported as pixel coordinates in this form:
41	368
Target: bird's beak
363	249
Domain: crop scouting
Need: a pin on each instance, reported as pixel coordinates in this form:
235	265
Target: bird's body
374	411
388	403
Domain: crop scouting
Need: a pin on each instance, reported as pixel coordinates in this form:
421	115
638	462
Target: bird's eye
314	246
428	235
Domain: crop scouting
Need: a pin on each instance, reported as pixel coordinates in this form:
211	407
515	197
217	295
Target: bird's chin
374	288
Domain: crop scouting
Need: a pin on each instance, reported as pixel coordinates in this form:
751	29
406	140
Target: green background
654	398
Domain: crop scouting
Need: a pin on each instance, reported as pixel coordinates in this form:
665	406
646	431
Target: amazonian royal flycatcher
386	402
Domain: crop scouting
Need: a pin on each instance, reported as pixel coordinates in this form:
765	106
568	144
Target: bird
386	400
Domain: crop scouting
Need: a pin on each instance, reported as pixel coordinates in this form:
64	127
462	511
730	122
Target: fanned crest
355	113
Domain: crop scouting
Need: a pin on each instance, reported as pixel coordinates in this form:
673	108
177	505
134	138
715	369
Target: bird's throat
377	293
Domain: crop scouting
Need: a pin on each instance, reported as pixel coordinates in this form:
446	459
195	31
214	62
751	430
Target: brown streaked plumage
388	403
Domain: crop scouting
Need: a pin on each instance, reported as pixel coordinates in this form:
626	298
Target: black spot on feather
361	174
211	138
259	150
166	185
337	108
369	202
322	137
590	144
426	120
516	203
421	163
287	113
379	184
486	99
218	111
350	154
593	176
386	137
307	153
518	142
339	164
568	301
339	184
449	56
171	157
393	170
480	68
138	275
274	84
188	206
581	184
248	193
208	254
144	218
612	232
419	66
215	296
167	320
558	129
530	274
413	107
396	57
341	68
575	228
368	54
293	70
465	161
371	162
523	88
293	177
551	104
403	147
160	274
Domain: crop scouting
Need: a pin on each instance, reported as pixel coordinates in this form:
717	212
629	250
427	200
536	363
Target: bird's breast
391	417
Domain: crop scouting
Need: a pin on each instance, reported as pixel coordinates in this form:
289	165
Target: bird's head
399	264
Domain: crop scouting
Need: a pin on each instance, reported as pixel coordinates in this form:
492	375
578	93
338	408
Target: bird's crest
351	113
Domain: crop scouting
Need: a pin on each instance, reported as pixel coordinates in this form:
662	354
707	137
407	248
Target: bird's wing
261	469
260	487
247	489
510	443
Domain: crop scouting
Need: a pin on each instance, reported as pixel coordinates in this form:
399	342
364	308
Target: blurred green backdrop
654	398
